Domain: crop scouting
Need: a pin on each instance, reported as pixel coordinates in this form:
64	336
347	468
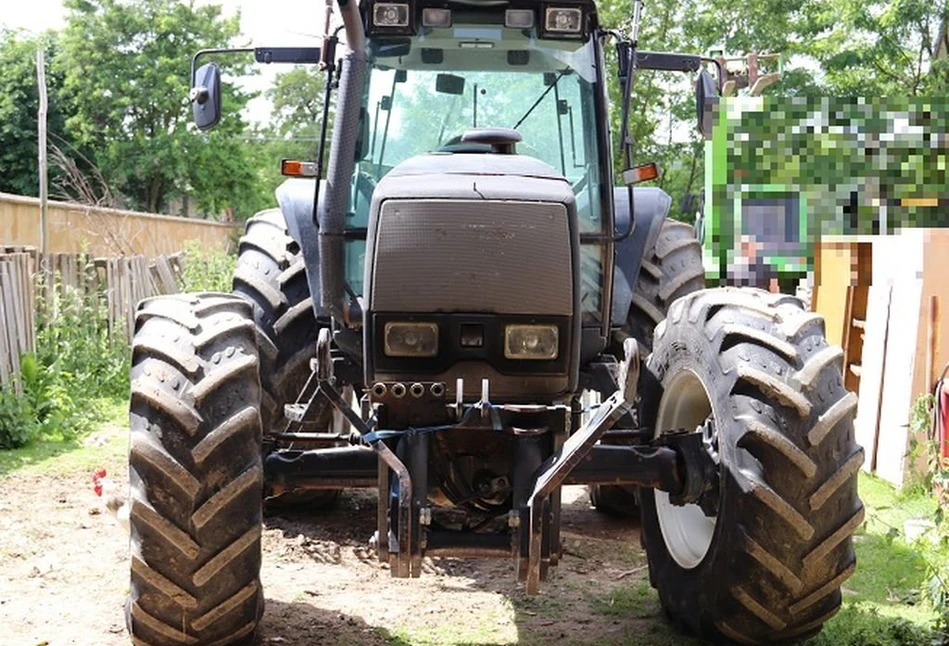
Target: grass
884	601
638	601
59	455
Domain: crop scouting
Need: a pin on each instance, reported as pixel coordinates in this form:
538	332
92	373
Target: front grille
502	257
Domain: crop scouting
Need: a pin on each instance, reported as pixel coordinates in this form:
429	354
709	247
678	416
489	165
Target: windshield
544	92
427	92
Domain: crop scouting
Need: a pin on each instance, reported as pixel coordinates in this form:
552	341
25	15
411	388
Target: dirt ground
64	577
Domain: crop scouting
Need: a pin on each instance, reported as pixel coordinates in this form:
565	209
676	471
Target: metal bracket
399	544
556	469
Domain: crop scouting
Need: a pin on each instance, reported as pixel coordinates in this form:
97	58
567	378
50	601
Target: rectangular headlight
519	18
531	342
390	14
411	340
563	20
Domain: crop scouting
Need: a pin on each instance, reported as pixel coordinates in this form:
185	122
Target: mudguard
295	197
652	207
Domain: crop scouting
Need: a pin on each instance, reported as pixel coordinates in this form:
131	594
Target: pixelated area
783	172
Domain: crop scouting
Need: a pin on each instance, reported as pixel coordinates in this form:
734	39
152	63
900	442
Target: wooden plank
11	324
5	354
871	376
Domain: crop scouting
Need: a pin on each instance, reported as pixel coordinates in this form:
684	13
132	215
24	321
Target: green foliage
77	362
207	270
19	103
878	47
75	344
125	72
863	625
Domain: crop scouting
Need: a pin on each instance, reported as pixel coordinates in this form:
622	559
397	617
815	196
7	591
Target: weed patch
207	270
79	360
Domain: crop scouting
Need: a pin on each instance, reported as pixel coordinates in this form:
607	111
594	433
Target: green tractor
428	315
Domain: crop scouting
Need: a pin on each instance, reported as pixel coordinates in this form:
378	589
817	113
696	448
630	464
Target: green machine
740	221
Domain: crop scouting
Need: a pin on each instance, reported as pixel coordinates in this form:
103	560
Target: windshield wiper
540	98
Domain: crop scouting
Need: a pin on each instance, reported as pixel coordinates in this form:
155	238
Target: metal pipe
332	219
644	466
328	468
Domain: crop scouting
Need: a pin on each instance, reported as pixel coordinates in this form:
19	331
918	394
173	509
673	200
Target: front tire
769	567
195	473
271	274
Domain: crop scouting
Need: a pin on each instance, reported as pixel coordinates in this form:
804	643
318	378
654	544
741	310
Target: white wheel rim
686	530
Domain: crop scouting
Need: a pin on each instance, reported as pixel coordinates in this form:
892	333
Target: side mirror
206	96
706	102
450	84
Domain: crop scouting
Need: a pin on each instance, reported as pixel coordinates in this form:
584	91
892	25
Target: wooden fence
28	278
75	228
17	304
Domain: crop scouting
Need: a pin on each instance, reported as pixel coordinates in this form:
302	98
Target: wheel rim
686	530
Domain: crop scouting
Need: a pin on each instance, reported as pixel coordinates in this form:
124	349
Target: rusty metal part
418	403
399	540
459	544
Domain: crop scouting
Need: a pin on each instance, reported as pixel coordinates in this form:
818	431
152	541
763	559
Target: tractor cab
507	95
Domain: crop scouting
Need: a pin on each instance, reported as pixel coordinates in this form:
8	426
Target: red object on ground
97	479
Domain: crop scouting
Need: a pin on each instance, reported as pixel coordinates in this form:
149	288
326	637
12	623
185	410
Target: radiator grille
501	257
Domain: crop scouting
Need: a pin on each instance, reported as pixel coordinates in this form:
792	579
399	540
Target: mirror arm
624	133
329	45
720	68
208	52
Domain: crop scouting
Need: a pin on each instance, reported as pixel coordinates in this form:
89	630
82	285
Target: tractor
461	311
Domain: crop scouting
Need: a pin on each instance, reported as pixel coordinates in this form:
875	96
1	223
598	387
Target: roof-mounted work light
563	21
436	17
392	17
519	18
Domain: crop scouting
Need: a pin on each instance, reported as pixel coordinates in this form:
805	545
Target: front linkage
397	462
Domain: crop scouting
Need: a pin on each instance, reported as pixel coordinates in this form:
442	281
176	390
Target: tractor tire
767	563
670	269
271	274
195	473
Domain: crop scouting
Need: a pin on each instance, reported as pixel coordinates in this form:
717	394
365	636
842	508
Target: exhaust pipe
332	219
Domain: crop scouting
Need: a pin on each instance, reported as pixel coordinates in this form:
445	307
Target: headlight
531	341
411	339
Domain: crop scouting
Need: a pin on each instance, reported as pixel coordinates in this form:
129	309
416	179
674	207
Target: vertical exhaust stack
332	218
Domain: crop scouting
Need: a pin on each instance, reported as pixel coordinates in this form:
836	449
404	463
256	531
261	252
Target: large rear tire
195	473
271	274
670	269
768	565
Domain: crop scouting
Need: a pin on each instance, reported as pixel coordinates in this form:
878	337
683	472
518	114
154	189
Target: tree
19	102
297	98
879	47
293	130
125	69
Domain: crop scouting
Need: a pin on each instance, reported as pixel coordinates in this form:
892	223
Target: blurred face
749	246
